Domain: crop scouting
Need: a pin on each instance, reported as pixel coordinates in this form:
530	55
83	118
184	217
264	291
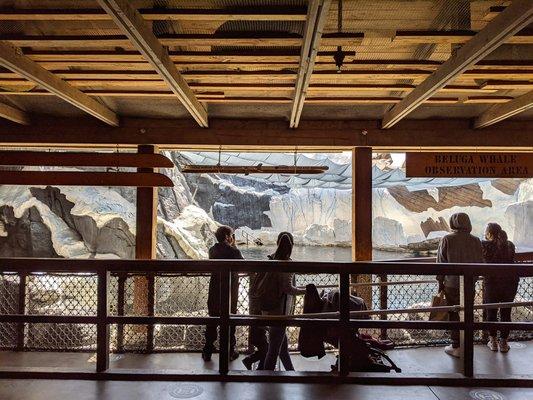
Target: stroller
365	353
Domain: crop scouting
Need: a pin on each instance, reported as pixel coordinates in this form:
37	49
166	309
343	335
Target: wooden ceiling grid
220	62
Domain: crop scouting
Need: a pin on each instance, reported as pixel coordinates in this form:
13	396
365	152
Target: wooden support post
102	328
362	215
145	241
467	336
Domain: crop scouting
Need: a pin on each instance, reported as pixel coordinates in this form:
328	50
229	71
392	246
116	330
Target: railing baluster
151	309
121	305
383	301
468	335
102	328
344	318
21	310
225	301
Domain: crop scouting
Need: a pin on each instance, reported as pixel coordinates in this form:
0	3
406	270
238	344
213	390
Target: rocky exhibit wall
100	222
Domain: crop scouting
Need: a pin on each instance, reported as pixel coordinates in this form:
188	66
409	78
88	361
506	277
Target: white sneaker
453	351
504	346
492	344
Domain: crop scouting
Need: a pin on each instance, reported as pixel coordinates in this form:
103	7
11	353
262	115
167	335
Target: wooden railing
104	268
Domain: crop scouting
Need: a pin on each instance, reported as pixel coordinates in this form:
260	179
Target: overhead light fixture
339	55
254	169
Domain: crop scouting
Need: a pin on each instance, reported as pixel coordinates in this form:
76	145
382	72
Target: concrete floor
417	360
412	360
113	390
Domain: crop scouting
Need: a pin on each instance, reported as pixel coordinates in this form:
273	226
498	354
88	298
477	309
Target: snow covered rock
317	234
387	232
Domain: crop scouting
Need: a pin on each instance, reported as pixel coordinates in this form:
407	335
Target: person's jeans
259	340
211	336
453	298
278	347
499	291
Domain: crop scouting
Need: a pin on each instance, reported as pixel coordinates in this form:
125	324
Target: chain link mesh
186	295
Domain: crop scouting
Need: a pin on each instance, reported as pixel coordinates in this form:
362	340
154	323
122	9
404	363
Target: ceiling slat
498	31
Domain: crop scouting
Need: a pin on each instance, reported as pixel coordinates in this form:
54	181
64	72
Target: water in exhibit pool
316	253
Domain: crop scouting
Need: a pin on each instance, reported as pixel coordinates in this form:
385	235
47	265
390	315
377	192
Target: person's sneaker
247	363
453	351
233	355
504	346
206	354
492	343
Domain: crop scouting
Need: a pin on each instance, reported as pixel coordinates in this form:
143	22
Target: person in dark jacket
498	250
281	303
258	337
223	250
457	247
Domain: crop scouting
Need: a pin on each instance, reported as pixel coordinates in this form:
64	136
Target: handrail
104	268
221	266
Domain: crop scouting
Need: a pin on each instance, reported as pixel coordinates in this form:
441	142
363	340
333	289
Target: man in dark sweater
223	250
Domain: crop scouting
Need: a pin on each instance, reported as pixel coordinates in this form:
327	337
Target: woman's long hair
498	235
285	243
499	238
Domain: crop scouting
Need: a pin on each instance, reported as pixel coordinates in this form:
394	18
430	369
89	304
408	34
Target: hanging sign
469	165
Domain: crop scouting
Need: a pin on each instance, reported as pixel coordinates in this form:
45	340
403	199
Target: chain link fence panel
186	295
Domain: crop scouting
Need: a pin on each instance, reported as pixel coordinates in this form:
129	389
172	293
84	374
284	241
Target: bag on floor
439	300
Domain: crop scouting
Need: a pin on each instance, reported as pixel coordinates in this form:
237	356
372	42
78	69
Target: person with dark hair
223	250
498	250
457	247
276	291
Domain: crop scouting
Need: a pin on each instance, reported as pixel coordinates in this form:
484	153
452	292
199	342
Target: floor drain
515	345
483	394
185	391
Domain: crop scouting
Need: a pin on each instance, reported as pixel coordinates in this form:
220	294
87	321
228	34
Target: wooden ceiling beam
283	75
265	134
507	85
14	114
141	36
13	59
92	178
251	87
316	18
168	14
244	39
500	112
84	159
498	31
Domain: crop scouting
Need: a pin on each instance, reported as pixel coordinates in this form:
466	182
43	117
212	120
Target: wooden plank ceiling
251	61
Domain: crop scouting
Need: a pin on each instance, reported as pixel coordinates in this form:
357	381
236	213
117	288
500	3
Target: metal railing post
468	334
102	328
151	310
344	318
21	310
225	301
383	301
121	305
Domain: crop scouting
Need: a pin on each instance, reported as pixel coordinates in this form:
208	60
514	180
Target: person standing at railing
457	247
258	336
498	289
276	291
225	249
